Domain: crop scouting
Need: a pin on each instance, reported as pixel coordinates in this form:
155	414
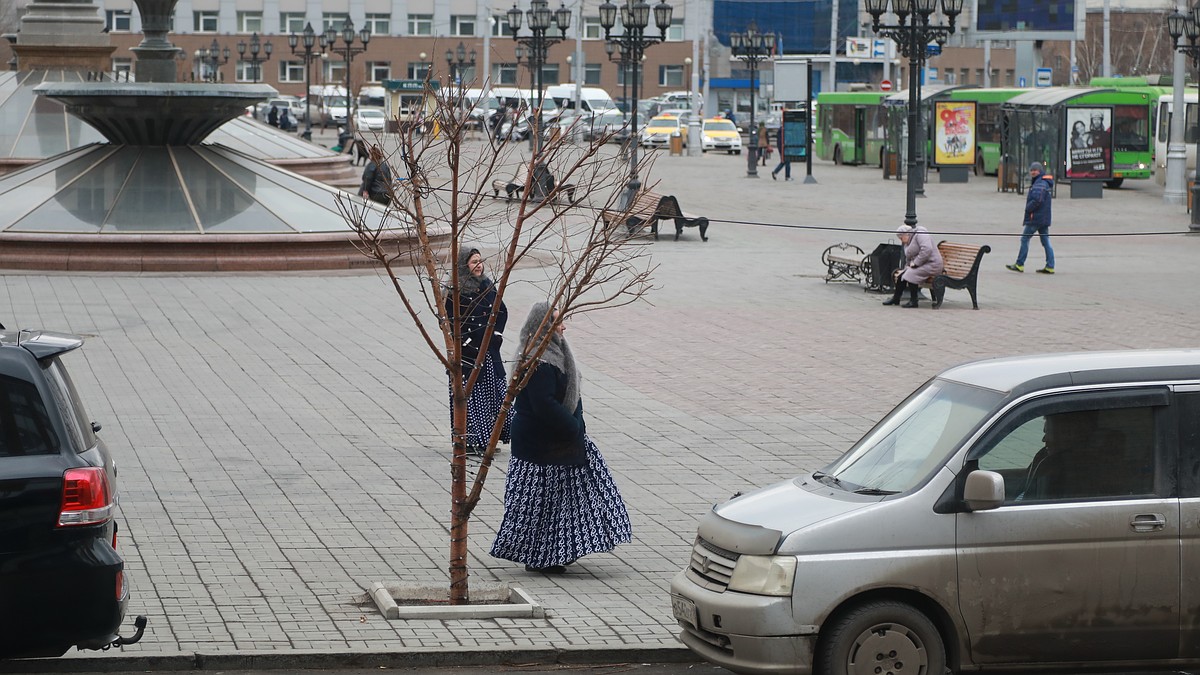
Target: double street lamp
456	59
348	51
753	48
256	47
912	33
540	19
1181	25
308	39
211	58
635	17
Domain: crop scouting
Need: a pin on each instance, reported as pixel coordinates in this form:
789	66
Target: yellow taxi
718	133
659	131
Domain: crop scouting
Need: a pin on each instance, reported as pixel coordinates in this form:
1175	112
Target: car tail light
120	584
86	499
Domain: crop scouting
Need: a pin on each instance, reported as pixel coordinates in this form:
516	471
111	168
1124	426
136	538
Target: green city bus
849	126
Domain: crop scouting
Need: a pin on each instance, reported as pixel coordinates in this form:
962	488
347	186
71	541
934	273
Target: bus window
1189	135
1164	123
1131	131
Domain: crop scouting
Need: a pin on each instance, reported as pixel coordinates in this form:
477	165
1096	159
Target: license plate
684	610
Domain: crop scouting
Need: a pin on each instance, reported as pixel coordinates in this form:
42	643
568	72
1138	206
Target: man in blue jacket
1037	218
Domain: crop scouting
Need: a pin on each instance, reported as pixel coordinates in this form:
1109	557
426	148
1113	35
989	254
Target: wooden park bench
650	207
543	185
961	270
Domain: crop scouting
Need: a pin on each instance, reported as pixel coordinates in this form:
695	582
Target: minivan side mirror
984	490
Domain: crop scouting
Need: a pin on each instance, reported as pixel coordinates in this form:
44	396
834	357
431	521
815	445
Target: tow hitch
140	624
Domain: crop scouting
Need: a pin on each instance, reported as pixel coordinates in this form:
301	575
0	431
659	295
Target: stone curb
324	659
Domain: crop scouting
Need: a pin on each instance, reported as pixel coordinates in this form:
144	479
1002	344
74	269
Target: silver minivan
1038	511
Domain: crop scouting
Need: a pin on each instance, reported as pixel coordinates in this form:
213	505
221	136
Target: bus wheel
1114	183
837	155
979	163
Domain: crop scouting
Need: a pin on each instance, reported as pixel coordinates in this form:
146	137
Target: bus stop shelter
896	135
1034	131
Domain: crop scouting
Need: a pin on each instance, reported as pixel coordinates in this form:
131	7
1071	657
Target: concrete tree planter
488	601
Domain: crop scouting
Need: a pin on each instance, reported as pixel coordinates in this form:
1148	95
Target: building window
334	20
979	76
245	71
122	65
250	22
117	20
204	22
591	73
550	74
504	73
420	24
1008	78
462	25
291	71
670	76
418	70
292	22
335	72
379	24
675	32
500	26
378	71
623	79
592	30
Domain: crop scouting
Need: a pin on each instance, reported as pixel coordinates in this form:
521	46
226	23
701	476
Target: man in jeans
1037	218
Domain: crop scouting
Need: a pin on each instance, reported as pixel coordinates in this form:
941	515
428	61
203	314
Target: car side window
67	400
1077	454
25	427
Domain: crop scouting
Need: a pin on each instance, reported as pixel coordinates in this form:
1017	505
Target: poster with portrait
954	133
1089	143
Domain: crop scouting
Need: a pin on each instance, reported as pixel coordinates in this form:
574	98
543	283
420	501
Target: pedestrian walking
922	262
273	116
764	143
560	500
376	178
285	122
476	300
784	162
1037	218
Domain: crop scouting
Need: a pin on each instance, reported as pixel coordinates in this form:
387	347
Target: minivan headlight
764	574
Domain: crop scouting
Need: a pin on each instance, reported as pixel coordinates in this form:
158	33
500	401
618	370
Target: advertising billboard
795	135
1030	19
1089	142
954	133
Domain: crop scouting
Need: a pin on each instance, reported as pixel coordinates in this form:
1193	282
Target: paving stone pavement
281	438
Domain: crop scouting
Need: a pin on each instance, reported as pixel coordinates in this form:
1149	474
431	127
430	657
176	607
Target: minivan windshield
914	439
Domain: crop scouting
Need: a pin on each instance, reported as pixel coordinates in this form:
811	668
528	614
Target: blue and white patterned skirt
554	515
483	405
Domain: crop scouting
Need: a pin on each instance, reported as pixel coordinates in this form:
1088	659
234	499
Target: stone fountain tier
160	113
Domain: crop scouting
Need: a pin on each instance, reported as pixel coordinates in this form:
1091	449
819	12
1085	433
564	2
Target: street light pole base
809	180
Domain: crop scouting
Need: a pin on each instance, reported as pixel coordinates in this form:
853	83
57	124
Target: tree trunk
460	592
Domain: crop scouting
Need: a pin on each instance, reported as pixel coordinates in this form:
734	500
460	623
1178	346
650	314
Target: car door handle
1148	522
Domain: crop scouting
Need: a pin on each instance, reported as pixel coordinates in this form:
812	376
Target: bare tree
443	197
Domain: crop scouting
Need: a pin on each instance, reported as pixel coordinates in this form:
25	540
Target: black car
62	582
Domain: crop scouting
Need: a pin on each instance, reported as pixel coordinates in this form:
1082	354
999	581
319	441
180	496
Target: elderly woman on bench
924	262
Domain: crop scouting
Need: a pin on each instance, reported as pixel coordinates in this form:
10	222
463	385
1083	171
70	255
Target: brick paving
281	438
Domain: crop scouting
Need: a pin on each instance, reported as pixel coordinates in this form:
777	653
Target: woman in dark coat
560	501
923	262
476	297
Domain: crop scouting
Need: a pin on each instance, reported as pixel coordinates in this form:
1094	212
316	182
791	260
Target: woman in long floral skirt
560	501
476	297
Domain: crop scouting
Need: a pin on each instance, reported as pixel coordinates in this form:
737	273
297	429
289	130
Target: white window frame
592	72
420	24
250	22
291	71
621	75
675	32
201	19
333	20
505	74
551	74
244	71
463	25
378	71
292	22
664	76
418	70
592	30
379	24
500	26
118	20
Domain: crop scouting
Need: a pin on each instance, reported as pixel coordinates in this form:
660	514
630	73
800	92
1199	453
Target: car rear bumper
62	597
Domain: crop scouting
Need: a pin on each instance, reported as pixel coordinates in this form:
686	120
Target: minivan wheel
882	637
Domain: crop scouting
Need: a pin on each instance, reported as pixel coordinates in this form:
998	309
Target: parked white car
369	119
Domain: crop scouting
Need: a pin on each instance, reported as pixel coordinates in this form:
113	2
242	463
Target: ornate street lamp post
348	51
912	33
635	17
456	59
540	19
1181	25
256	46
308	39
753	48
212	58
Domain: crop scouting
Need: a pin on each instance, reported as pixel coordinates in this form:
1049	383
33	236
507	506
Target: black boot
912	296
895	299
